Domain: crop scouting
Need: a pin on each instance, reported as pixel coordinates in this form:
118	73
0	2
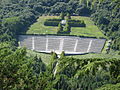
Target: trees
38	66
15	70
82	10
106	17
67	28
86	73
18	71
68	16
60	28
52	22
62	16
62	54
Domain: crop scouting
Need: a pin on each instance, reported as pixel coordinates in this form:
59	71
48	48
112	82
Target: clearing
90	30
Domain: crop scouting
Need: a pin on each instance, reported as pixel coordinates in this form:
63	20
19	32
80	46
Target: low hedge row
71	20
54	19
76	23
72	23
52	22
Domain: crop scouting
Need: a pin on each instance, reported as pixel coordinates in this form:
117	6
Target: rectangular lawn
90	30
39	28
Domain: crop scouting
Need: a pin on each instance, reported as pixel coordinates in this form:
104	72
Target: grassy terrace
46	57
90	30
92	55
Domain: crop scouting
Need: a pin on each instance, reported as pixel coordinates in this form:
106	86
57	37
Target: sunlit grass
92	55
90	30
39	28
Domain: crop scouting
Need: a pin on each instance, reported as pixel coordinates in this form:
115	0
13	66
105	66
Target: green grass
39	28
45	57
102	55
90	30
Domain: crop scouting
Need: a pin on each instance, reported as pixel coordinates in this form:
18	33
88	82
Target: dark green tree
62	54
67	28
16	71
60	28
62	16
68	16
38	65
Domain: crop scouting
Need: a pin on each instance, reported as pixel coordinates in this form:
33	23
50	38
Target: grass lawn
102	55
39	28
90	30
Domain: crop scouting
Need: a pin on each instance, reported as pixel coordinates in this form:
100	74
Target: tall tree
16	70
67	27
60	28
62	16
68	16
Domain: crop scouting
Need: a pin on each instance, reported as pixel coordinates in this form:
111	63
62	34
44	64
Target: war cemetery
57	34
59	44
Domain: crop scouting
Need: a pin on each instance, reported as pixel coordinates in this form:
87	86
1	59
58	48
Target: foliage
84	73
76	23
17	70
68	16
67	28
62	15
62	54
110	87
60	28
106	15
52	22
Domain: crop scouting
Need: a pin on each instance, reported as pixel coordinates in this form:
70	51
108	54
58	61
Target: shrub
60	28
54	19
72	23
68	16
52	22
76	23
67	28
62	16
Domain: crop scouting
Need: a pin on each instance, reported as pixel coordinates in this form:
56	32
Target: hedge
53	19
76	23
72	23
52	22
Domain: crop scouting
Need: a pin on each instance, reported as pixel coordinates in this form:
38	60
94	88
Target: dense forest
20	72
